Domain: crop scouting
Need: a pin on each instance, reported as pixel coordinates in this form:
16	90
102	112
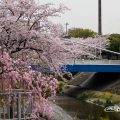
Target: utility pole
99	17
66	28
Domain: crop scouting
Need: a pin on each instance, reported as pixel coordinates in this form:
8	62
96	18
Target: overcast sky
84	13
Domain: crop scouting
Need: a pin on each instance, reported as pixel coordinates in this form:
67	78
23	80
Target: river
80	110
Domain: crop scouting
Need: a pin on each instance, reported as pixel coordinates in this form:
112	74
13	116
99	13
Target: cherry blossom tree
16	74
26	31
27	36
90	47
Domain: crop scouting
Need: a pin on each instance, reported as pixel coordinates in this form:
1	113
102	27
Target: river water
80	110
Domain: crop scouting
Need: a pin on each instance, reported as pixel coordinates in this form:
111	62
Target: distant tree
114	42
81	33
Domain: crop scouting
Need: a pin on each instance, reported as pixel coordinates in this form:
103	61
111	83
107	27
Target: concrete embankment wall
92	81
101	80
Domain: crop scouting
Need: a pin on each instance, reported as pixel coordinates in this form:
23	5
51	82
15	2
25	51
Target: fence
16	105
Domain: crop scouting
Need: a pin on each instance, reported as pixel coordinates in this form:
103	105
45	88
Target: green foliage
81	33
104	95
108	103
114	42
104	118
83	97
107	95
99	102
105	103
61	86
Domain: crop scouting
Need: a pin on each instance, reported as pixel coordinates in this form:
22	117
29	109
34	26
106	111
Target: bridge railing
92	62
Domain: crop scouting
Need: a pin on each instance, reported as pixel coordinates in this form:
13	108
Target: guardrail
93	62
14	105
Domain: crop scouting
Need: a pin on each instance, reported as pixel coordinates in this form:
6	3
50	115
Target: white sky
84	13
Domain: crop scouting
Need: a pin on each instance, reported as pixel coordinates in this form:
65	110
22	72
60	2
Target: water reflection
80	110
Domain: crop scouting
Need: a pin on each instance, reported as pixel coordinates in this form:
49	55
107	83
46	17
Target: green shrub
99	102
107	95
108	103
81	33
84	96
114	42
60	86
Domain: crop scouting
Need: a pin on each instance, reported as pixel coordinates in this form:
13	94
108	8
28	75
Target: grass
100	98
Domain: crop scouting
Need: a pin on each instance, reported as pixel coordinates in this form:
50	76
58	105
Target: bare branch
27	48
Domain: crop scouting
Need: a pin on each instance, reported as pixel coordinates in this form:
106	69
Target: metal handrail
96	62
13	105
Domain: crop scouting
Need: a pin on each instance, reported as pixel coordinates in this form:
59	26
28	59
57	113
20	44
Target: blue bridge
94	66
105	60
85	66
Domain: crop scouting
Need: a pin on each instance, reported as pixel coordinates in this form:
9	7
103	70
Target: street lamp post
99	18
66	28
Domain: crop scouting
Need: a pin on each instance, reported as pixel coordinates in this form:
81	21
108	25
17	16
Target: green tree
114	42
81	33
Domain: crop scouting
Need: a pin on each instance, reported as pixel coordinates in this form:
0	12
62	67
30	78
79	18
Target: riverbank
58	112
81	110
92	99
79	103
101	98
98	90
